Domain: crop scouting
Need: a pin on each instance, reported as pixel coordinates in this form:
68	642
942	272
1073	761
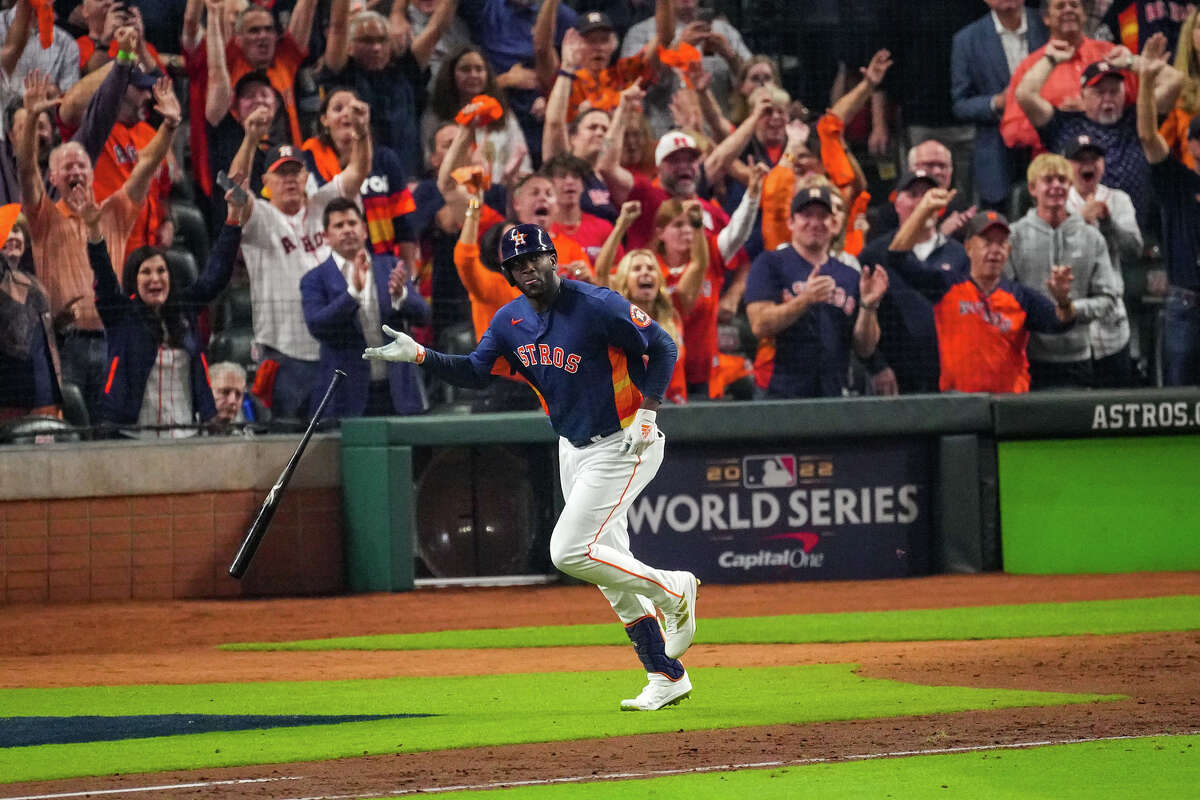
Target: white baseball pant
591	539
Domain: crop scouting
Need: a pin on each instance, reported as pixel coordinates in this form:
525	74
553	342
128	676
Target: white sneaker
681	623
659	692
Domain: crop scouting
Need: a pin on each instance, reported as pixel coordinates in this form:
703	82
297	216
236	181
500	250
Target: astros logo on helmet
518	238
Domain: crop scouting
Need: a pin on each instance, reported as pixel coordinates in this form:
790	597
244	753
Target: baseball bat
259	528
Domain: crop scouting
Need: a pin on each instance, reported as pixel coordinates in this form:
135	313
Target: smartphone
240	195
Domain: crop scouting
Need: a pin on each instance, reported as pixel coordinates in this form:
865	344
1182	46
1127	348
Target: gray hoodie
1096	289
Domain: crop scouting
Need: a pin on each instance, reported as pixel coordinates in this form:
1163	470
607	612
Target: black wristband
568	74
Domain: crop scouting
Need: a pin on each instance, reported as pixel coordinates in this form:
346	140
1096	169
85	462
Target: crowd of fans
985	196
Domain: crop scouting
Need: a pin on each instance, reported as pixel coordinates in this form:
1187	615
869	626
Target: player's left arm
637	334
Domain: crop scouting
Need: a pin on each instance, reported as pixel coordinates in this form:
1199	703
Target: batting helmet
523	240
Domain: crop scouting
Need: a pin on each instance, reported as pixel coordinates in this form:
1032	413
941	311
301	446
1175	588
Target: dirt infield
174	643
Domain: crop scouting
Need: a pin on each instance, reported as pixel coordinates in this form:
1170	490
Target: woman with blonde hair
640	280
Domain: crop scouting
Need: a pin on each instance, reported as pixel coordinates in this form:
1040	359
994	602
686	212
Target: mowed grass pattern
1097	617
472	711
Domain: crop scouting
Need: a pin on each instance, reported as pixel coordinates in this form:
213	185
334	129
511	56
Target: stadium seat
74	409
37	429
183	266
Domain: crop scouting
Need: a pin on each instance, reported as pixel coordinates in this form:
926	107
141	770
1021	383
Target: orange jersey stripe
625	394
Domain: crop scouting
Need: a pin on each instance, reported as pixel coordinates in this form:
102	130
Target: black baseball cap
909	177
594	21
814	194
984	221
143	79
282	154
1082	143
252	77
1097	71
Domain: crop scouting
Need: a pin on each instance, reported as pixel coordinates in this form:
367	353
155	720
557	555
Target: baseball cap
281	154
1081	143
672	142
814	194
984	221
909	177
1097	71
251	78
594	21
143	79
524	239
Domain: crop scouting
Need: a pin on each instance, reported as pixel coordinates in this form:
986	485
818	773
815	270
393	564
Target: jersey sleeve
934	284
632	330
472	371
1040	313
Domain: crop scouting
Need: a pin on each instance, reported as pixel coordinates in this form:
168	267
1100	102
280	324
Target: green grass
473	711
1101	617
1153	767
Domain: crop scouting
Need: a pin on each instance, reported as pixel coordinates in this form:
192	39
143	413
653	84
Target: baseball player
582	348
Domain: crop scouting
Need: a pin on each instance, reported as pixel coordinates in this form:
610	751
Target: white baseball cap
673	142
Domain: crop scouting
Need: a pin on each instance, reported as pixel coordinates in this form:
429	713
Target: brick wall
167	547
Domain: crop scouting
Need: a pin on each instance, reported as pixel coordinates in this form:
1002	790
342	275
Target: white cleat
660	692
680	628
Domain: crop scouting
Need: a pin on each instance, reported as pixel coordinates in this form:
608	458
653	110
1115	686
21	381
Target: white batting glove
641	433
404	348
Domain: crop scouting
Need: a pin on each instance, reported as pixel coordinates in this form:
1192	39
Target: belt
87	334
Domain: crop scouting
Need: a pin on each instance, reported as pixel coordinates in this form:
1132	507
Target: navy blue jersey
812	355
584	356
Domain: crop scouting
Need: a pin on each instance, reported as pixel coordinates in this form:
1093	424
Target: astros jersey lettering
591	337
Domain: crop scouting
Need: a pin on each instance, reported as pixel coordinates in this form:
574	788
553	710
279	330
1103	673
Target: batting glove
641	433
404	348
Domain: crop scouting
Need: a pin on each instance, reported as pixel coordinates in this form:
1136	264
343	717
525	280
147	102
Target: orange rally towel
45	21
482	109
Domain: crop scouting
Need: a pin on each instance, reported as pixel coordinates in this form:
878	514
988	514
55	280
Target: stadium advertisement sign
836	511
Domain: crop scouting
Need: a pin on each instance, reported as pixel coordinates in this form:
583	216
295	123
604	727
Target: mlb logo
769	472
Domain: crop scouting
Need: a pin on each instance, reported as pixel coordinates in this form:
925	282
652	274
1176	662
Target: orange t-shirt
60	251
487	290
282	73
700	324
113	167
568	251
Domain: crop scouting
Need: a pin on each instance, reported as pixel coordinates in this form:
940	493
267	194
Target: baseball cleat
681	623
659	693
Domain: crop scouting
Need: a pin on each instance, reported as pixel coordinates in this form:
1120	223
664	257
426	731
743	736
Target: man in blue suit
982	61
347	299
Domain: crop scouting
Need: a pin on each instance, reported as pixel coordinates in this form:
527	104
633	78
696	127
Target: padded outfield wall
1062	482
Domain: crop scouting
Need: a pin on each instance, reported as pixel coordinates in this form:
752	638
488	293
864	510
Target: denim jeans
1181	339
83	356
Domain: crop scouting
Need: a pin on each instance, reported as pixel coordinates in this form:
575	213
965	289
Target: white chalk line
168	786
611	776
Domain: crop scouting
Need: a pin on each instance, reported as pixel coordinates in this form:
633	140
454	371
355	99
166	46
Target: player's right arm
473	371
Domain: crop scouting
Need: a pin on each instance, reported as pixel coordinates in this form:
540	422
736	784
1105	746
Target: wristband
568	74
1067	306
125	55
866	307
1053	61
